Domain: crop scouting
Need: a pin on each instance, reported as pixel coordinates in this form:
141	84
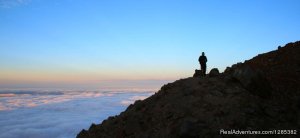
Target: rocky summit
262	93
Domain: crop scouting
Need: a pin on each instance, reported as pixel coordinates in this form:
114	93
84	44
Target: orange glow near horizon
84	76
111	79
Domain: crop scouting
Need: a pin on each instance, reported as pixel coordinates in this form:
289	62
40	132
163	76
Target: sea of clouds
58	114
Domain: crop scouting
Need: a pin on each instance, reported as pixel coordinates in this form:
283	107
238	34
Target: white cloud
58	114
11	101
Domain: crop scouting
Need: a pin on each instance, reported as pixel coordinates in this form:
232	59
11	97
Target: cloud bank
58	114
23	99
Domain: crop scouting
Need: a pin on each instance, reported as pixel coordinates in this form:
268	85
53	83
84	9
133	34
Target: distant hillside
260	94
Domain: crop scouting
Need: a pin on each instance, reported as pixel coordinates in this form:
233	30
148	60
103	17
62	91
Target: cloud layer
23	99
58	114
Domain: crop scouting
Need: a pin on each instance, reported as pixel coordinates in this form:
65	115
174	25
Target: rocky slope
260	94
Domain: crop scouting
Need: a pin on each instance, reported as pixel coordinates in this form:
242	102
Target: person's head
203	53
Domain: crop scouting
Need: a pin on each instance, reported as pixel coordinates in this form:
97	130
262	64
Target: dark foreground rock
260	94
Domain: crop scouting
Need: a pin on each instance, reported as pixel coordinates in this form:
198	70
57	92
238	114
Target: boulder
214	72
198	73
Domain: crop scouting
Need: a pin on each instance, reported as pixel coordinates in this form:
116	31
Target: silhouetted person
202	59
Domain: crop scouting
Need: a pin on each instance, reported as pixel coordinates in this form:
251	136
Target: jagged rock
260	94
213	72
227	70
93	126
233	67
83	133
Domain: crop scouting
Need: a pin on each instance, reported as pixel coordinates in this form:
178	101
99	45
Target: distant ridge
262	93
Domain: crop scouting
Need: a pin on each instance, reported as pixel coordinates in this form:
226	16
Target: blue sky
89	41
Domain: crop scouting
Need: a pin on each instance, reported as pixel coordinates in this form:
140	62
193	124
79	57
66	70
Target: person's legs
203	69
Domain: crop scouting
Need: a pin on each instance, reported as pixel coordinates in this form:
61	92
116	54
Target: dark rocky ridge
260	94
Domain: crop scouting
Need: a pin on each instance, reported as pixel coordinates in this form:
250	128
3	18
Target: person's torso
202	59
